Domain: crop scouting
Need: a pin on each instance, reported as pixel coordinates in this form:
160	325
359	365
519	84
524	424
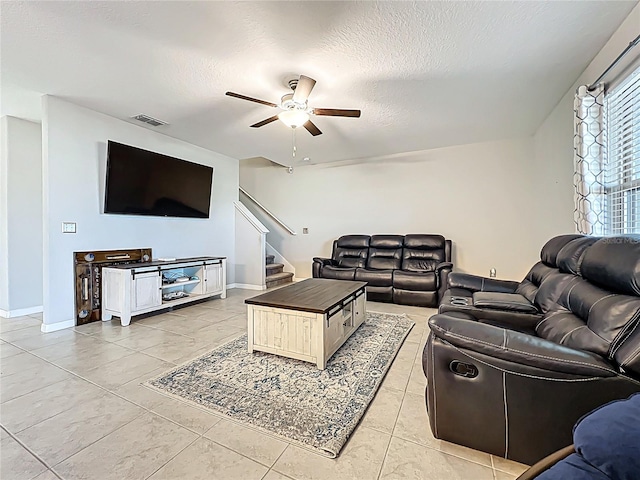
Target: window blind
622	157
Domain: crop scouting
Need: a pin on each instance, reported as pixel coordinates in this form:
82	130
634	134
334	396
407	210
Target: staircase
275	275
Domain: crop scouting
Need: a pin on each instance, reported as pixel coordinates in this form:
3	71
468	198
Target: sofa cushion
385	252
587	317
423	252
528	288
551	288
414	280
415	298
552	247
570	256
424	241
353	241
565	328
614	263
386	241
512	302
351	251
337	273
459	292
352	258
379	294
378	278
565	250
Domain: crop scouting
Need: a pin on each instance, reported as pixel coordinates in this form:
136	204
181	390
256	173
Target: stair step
273	268
279	276
279	279
270	259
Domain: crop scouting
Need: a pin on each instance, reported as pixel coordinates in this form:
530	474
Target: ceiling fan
295	109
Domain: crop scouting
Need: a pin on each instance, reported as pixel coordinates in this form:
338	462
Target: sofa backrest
550	250
570	257
423	252
598	311
385	252
351	251
528	287
569	260
547	265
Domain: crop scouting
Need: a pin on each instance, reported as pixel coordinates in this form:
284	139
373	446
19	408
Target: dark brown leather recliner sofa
403	269
510	374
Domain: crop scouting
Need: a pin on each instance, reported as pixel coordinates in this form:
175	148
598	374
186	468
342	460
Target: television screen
140	182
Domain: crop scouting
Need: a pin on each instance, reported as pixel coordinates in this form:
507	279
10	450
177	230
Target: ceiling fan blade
265	122
303	89
251	99
311	128
336	112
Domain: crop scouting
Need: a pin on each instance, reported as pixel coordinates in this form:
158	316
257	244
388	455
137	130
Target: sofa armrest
443	270
475	283
442	265
517	348
324	261
318	264
510	302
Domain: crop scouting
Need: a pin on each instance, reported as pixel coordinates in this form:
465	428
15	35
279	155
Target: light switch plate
68	227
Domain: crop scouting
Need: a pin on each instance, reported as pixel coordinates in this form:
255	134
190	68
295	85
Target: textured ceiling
424	74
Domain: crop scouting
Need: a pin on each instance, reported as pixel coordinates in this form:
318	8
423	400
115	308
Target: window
622	157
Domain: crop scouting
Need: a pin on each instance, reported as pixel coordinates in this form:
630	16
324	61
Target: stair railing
268	212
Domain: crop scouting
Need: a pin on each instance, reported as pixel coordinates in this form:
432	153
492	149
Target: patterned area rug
292	399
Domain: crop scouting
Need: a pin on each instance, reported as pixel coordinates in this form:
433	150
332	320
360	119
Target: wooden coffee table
307	320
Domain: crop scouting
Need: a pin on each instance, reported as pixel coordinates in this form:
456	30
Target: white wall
21	217
74	161
554	138
481	196
4	216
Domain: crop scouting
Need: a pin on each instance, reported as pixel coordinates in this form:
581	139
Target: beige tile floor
71	407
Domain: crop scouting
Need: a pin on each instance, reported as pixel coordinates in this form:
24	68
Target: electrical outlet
305	231
492	273
68	227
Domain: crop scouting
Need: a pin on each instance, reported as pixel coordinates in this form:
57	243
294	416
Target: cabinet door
334	335
146	291
213	278
359	310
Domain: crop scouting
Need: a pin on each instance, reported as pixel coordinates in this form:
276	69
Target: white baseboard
246	286
52	327
19	312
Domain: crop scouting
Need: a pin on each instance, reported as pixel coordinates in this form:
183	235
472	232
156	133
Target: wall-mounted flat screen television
140	182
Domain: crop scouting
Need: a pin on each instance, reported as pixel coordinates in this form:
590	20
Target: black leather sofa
494	301
513	383
403	269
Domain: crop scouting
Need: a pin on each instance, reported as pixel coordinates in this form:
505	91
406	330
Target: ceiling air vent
154	122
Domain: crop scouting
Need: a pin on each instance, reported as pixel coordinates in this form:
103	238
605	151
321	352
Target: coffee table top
316	295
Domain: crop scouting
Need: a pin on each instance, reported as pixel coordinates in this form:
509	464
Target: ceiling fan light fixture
294	118
296	111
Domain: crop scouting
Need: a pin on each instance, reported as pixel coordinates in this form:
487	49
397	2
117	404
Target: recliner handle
463	369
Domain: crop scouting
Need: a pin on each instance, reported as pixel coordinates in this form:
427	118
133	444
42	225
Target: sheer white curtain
589	177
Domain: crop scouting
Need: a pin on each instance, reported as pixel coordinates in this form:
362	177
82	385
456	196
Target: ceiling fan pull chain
294	142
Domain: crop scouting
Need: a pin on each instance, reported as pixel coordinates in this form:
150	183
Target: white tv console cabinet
134	289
